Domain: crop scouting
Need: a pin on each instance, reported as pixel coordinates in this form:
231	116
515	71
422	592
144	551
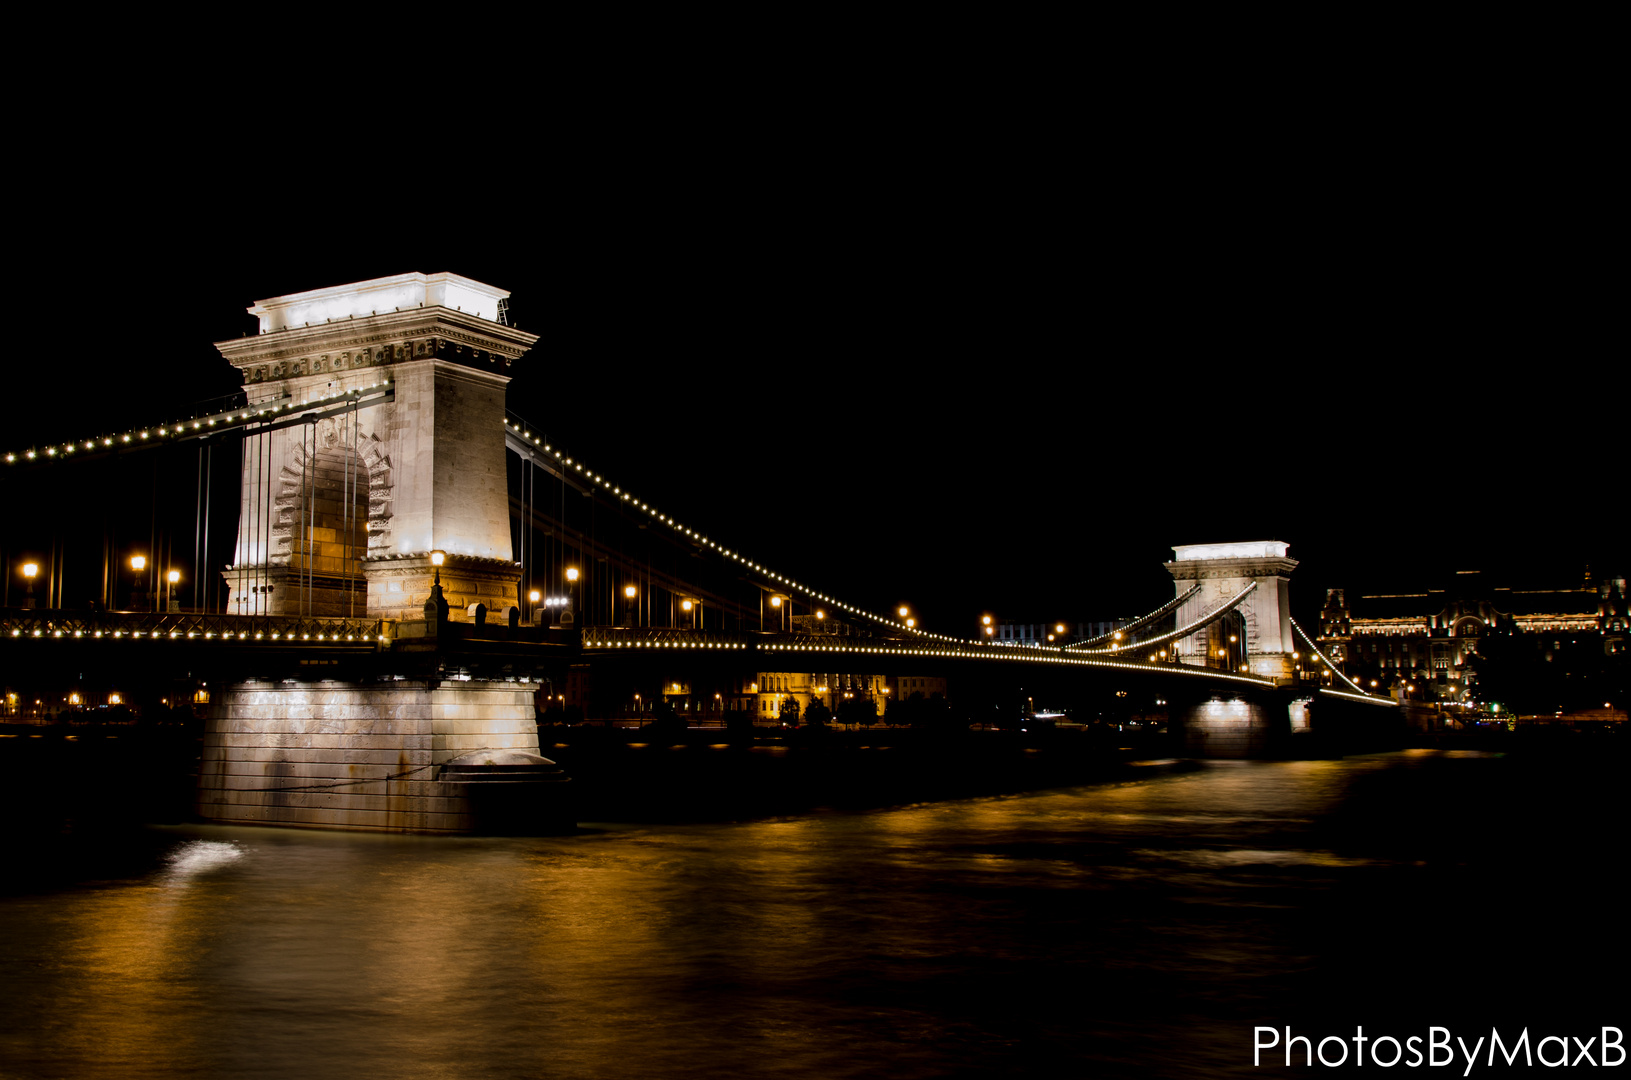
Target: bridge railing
646	637
193	626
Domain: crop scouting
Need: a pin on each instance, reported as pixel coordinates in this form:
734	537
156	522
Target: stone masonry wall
354	756
1231	729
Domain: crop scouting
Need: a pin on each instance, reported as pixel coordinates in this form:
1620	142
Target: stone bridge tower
1222	570
385	441
393	447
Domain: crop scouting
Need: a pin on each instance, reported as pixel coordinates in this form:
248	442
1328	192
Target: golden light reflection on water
899	942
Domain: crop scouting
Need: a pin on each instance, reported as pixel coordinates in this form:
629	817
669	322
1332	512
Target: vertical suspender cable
266	519
528	544
300	516
252	495
311	528
267	506
241	554
207	591
309	482
350	500
198	527
107	545
153	531
252	451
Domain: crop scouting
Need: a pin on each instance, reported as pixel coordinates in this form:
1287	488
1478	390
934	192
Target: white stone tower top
361	299
1251	549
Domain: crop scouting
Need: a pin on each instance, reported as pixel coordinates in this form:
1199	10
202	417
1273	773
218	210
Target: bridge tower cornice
287	361
1232	568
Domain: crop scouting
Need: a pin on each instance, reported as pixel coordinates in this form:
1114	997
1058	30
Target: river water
1138	928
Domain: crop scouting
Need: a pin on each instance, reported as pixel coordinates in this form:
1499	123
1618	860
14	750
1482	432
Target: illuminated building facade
1430	639
775	689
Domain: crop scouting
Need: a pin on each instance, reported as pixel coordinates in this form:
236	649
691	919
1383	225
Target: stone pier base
1233	727
367	756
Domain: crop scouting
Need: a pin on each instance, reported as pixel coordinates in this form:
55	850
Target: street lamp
629	594
572	582
435	604
138	563
29	570
170	580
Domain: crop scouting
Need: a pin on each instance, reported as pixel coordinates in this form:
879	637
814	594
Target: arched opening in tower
330	537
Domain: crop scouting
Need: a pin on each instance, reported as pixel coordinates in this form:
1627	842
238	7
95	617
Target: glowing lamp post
29	570
435	603
631	604
567	616
138	563
170	579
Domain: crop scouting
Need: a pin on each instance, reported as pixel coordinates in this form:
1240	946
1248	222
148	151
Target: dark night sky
1010	388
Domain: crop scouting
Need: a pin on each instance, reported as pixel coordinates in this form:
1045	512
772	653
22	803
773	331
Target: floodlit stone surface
333	507
363	299
364	756
1222	571
1233	728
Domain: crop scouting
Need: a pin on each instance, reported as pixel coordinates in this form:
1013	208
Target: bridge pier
1223	725
360	755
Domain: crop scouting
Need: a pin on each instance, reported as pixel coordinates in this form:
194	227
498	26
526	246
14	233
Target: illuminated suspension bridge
367	515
